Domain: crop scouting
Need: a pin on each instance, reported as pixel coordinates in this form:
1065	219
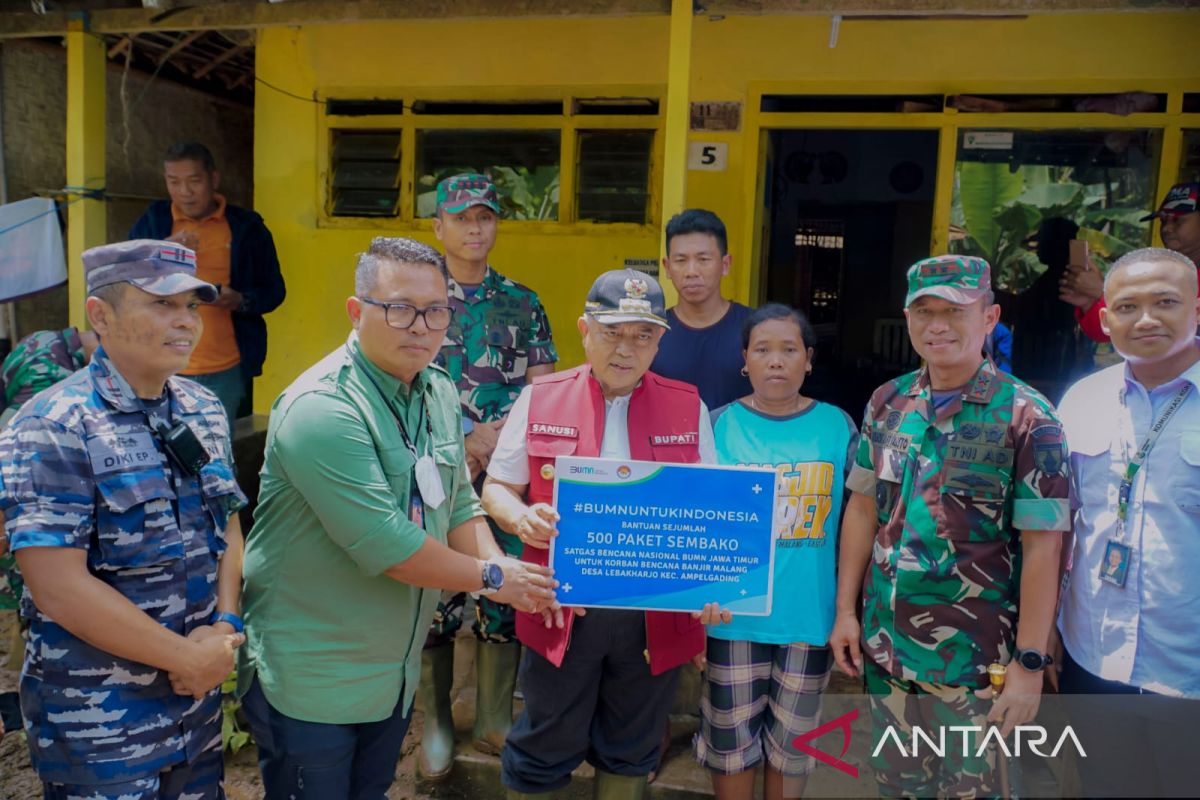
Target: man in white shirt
1129	613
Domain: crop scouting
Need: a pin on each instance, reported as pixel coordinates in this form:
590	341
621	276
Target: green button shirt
953	490
330	638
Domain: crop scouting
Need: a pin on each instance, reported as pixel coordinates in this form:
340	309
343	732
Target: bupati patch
121	451
676	438
544	429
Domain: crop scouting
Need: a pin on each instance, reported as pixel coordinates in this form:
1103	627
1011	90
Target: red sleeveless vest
566	417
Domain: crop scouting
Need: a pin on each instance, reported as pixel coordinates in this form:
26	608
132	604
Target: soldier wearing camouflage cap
498	341
951	534
120	504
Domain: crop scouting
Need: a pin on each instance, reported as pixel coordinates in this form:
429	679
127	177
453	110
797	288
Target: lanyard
423	418
1134	464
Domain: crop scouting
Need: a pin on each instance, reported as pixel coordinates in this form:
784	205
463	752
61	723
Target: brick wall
160	112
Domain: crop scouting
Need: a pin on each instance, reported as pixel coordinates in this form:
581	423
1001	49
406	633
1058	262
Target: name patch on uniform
979	454
566	431
122	451
676	438
892	441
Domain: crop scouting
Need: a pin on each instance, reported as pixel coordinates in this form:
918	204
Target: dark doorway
849	211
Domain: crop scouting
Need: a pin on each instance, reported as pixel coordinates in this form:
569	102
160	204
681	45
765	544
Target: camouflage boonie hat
1184	198
459	192
160	268
626	295
959	279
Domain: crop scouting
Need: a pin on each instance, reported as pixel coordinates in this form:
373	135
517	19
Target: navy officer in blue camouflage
120	505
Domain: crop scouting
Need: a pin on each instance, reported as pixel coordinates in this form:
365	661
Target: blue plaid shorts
758	698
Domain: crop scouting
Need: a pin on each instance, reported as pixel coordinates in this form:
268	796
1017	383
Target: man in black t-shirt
704	345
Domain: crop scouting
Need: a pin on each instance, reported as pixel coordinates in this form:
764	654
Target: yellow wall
736	58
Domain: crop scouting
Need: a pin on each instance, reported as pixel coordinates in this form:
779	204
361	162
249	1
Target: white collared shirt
1147	633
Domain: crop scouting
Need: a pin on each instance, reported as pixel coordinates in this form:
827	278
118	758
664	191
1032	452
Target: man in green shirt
365	485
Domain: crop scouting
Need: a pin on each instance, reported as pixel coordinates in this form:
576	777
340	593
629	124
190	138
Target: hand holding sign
536	527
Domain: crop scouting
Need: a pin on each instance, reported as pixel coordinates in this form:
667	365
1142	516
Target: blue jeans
319	761
229	385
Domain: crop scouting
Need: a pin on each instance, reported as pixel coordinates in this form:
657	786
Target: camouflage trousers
202	779
494	622
906	764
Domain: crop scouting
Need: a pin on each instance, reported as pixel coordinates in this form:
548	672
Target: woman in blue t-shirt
765	675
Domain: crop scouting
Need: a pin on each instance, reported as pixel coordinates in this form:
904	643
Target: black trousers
602	705
1138	744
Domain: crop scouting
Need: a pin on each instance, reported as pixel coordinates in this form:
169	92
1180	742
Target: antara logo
1031	737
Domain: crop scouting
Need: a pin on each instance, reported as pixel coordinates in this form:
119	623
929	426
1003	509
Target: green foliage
524	193
1001	210
233	736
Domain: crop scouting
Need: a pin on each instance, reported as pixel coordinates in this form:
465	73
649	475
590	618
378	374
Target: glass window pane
614	175
523	163
1189	161
1020	197
1008	184
365	173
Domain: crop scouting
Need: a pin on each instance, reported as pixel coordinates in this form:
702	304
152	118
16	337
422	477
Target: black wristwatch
493	578
1033	660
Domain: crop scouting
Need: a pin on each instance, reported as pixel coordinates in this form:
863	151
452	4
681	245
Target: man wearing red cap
1179	216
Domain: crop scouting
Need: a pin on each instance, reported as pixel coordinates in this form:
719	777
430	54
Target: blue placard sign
663	537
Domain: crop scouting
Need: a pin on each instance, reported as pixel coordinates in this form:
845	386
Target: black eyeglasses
402	315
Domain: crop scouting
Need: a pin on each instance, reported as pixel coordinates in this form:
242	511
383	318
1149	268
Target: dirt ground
476	777
18	781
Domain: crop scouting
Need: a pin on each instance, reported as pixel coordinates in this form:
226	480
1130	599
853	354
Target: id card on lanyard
426	485
1114	568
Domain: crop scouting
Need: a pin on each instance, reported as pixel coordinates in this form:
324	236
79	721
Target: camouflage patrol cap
626	295
160	268
959	279
459	192
1183	198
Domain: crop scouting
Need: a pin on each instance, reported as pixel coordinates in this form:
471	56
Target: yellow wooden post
943	192
679	75
86	219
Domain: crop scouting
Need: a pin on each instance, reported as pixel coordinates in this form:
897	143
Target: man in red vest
597	687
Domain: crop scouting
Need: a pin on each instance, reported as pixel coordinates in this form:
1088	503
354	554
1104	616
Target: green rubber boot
437	736
619	787
495	677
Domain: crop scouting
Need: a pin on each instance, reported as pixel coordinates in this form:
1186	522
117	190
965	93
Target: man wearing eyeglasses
365	484
498	341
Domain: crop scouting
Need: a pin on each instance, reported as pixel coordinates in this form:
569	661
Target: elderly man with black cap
597	687
119	500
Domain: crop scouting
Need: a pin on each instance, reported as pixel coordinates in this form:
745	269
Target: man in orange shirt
235	253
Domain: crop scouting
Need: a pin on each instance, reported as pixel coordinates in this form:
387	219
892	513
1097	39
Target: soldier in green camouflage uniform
498	341
39	361
960	490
